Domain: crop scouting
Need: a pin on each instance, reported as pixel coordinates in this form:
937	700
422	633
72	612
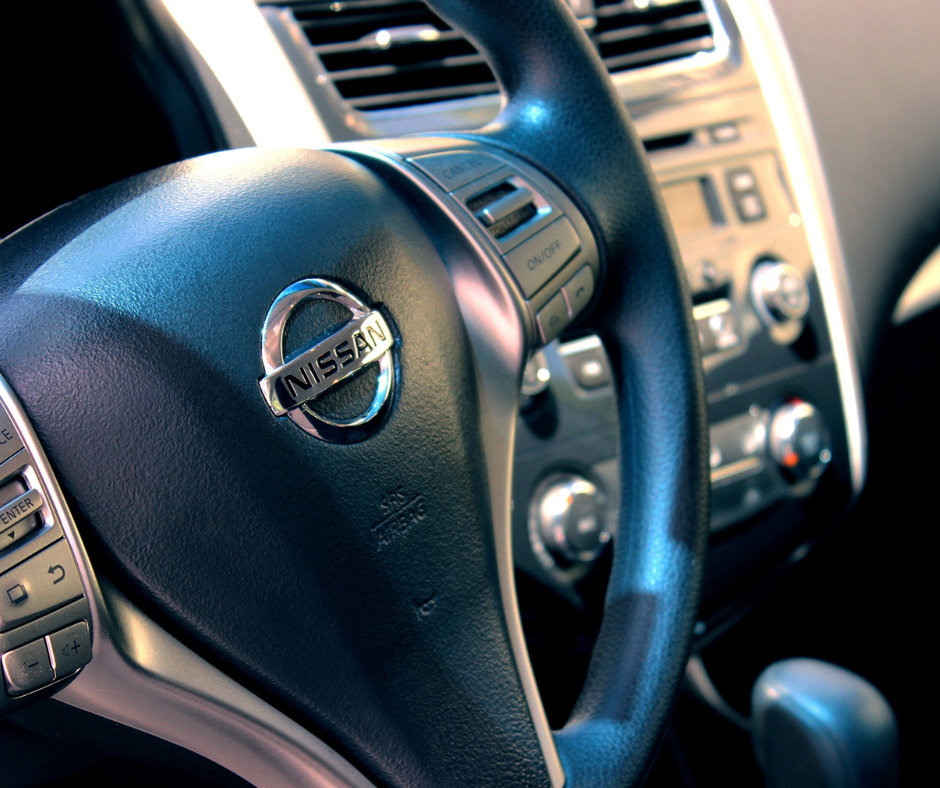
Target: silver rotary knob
780	292
799	441
568	518
537	375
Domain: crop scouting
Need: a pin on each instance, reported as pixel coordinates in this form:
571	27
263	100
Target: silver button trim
17	510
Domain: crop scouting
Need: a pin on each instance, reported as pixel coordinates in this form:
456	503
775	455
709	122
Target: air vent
629	36
395	53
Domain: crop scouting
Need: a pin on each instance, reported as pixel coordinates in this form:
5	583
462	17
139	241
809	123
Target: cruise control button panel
533	227
10	441
454	169
45	615
537	260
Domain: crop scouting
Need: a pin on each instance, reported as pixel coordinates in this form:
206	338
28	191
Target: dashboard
748	205
799	269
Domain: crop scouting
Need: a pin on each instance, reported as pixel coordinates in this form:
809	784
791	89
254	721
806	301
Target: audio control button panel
538	233
45	616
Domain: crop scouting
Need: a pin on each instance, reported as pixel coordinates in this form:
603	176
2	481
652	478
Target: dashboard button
552	318
717	327
535	261
70	648
536	375
726	132
46	581
27	668
742	180
750	207
590	368
454	169
10	442
579	289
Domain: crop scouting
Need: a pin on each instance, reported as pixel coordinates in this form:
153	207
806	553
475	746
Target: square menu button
42	583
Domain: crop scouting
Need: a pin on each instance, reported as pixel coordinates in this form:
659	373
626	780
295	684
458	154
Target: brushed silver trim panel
781	89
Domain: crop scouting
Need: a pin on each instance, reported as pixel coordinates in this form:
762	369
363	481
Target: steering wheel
355	571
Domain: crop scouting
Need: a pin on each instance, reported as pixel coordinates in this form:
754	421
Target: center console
779	441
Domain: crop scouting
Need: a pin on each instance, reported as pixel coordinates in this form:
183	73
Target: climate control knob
779	292
799	441
568	518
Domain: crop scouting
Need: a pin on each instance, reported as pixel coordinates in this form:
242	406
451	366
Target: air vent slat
422	96
396	53
651	56
446	36
649	15
430	65
640	31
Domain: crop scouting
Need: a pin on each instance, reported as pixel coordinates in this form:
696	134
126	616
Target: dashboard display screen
687	206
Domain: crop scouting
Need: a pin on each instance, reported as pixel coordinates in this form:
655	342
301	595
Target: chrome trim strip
718	307
263	87
143	677
484	295
591	342
922	293
738	468
776	74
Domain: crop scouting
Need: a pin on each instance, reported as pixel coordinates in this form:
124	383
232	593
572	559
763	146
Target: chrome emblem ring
291	388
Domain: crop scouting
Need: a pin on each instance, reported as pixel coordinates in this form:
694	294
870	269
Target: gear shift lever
816	725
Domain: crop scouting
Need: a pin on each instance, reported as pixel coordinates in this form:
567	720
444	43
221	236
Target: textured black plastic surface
135	350
817	725
564	116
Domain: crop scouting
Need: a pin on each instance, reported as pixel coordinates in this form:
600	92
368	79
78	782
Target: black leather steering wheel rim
120	284
564	115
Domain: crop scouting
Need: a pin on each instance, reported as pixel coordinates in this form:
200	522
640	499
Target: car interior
498	392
